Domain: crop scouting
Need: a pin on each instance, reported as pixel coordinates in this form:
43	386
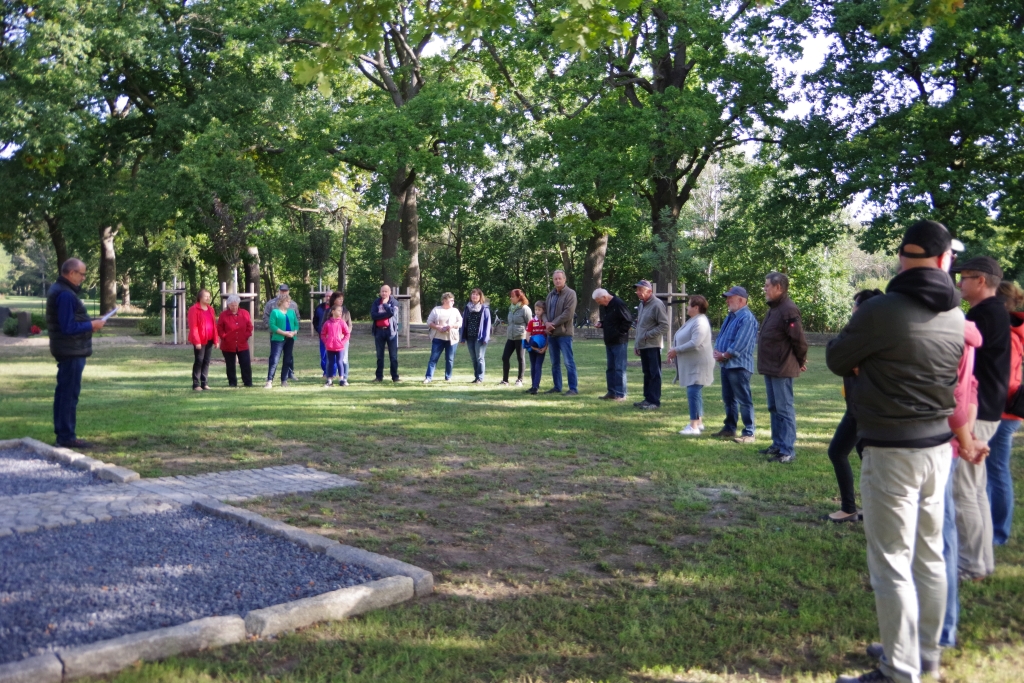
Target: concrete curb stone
336	605
423	581
115	654
66	456
40	669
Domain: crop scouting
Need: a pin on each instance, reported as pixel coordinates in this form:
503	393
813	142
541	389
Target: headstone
5	313
24	323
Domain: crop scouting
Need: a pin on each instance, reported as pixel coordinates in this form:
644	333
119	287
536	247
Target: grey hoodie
907	347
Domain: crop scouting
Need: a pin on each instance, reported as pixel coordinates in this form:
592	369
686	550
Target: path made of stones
27	513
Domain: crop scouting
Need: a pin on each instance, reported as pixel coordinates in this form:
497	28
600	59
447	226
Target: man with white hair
615	322
560	312
651	330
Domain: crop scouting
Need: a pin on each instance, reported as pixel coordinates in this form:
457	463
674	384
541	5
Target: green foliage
151	326
11	326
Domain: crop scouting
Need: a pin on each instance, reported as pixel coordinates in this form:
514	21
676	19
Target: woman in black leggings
519	315
845	440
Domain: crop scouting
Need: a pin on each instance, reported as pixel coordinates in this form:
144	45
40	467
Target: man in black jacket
903	350
70	331
615	322
979	283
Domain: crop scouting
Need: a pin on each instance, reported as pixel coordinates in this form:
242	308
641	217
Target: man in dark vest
70	331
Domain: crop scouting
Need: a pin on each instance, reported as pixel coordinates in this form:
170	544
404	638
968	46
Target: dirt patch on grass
506	524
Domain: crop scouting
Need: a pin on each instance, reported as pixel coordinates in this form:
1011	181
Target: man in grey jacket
560	312
902	351
651	328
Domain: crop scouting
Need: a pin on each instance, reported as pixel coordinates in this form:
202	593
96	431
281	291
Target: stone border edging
66	456
402	582
423	581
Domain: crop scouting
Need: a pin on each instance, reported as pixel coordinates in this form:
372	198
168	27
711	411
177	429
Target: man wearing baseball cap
978	281
734	351
272	304
901	352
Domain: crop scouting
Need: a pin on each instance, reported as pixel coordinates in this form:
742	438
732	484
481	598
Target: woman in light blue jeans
695	364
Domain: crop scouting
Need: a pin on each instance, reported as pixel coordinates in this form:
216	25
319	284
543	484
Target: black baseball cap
980	264
931	236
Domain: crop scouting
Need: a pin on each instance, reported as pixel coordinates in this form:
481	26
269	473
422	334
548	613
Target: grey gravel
78	585
23	471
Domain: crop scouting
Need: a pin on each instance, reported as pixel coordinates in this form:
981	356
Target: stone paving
27	513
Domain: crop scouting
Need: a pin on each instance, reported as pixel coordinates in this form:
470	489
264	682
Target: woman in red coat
202	335
235	327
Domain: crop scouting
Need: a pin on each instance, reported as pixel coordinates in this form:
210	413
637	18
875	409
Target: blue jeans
695	397
562	346
392	346
65	397
477	354
323	358
650	363
344	361
536	368
277	349
1000	483
332	368
950	553
782	412
739	402
436	347
615	375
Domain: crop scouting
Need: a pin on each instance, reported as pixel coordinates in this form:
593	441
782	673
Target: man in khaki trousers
979	280
902	352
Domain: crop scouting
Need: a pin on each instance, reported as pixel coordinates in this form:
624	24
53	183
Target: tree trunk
60	245
126	288
190	274
665	207
108	270
269	280
391	228
411	244
346	223
593	273
252	269
223	275
563	254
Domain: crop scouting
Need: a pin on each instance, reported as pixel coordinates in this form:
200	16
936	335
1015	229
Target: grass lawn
571	540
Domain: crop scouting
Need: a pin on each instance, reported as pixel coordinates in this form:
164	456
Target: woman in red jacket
202	335
235	327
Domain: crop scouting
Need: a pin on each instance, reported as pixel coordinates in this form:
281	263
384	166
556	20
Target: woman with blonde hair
519	315
444	322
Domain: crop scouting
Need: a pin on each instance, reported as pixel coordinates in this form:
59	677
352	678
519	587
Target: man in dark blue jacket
70	331
385	331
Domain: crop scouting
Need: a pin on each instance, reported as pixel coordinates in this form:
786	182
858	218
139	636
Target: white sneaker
690	431
268	385
328	383
427	380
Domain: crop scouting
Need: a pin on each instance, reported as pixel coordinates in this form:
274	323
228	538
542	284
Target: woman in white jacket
444	322
695	365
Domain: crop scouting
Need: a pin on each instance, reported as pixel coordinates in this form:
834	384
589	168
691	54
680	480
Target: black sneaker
875	676
786	459
572	392
771	450
531	391
552	390
74	443
722	433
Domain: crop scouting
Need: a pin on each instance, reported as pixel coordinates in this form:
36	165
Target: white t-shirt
445	316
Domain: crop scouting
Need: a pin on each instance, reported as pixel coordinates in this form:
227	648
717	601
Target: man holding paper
70	331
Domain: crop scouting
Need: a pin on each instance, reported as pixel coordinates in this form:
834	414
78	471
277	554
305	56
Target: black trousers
245	364
513	346
201	365
650	362
844	441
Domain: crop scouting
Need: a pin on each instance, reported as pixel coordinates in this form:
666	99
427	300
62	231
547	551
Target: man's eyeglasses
969	277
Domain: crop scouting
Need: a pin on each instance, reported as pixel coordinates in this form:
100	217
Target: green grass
571	540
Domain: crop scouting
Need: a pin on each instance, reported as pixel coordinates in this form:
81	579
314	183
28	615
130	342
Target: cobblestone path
82	505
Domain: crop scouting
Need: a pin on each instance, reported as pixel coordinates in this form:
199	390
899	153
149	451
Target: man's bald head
72	265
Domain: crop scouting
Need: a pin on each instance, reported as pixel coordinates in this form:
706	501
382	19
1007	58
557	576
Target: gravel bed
24	471
81	584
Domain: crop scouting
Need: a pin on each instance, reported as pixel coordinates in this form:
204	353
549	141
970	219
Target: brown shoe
744	439
840	516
